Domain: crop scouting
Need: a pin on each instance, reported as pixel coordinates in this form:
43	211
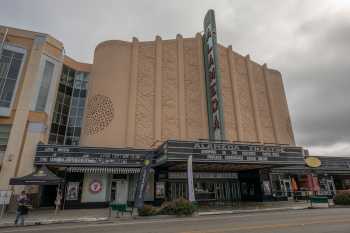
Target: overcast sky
308	41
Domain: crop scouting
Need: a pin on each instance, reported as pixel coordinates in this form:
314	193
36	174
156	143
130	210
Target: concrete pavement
43	217
48	216
334	220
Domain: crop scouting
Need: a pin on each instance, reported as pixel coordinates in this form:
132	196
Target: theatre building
93	126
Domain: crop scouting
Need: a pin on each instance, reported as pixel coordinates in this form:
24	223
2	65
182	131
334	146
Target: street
311	221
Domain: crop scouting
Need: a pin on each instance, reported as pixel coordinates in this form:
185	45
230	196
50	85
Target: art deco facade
142	92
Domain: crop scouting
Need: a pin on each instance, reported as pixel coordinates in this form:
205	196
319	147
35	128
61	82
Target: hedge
179	207
342	199
148	210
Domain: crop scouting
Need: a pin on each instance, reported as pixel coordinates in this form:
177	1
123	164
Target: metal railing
302	195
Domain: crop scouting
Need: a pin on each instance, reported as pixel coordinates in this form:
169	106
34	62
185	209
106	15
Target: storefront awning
42	176
104	170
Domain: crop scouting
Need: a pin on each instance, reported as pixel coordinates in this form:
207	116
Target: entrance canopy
173	154
42	176
328	165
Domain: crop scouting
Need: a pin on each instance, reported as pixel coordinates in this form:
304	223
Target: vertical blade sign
212	78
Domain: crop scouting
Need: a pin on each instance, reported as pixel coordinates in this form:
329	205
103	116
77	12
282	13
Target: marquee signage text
204	175
227	152
61	155
211	147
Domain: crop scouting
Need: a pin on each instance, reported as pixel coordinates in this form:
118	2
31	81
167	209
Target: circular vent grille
100	113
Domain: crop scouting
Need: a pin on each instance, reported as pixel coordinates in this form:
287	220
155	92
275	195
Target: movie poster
72	193
160	190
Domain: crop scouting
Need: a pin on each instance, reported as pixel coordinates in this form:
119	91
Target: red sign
95	186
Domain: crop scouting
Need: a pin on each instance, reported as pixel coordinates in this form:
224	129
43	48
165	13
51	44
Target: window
53	138
4	136
10	64
69	107
44	87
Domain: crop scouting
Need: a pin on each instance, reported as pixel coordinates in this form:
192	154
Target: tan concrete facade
156	91
255	106
29	127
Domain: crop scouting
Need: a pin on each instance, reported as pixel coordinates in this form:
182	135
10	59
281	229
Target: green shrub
342	199
168	208
148	210
179	207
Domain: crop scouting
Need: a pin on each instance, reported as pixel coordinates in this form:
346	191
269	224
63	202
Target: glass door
331	187
119	191
236	194
113	190
178	190
286	187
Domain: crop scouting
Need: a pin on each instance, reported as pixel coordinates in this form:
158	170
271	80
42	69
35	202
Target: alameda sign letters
212	77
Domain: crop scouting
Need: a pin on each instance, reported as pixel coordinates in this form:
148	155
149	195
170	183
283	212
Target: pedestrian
22	209
58	200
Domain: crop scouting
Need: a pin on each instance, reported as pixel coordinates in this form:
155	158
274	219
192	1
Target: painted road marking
270	226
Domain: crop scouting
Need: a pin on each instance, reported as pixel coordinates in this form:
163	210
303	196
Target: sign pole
2	208
191	196
142	182
64	189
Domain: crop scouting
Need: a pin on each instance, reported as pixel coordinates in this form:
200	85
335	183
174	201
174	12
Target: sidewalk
254	207
41	217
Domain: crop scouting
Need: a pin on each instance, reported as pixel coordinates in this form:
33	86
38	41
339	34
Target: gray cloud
318	81
308	41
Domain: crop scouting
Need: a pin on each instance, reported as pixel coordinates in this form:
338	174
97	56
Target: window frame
44	90
9	132
6	111
55	75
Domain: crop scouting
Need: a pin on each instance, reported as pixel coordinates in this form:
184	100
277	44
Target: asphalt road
298	221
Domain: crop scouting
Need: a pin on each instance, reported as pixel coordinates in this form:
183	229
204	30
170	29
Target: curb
250	211
154	217
55	221
340	206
